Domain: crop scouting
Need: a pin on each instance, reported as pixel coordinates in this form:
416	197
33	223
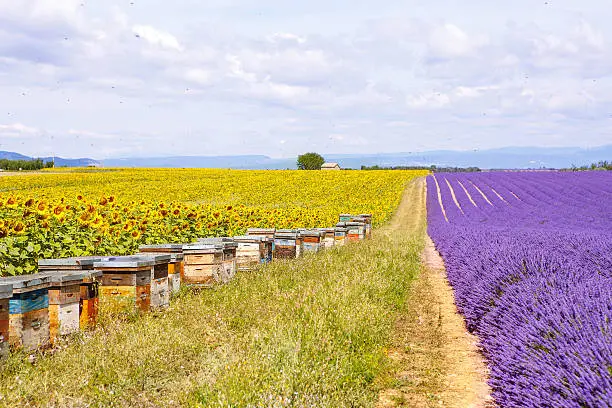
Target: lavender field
529	256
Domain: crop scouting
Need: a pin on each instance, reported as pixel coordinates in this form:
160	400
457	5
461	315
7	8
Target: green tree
310	161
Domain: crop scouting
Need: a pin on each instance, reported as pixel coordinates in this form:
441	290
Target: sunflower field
112	212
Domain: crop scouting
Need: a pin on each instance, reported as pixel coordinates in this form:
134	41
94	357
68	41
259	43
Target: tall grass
305	333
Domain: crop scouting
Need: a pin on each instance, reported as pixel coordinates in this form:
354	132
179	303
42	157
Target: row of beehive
62	298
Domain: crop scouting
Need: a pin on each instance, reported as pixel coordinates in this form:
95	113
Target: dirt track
436	361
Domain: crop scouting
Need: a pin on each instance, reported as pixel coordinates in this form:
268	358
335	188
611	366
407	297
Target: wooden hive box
355	231
228	264
64	301
251	252
287	244
345	217
340	234
28	311
6	292
89	286
368	221
328	239
311	240
264	232
160	291
175	266
203	264
126	279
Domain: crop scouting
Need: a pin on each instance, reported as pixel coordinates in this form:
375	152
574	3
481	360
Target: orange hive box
89	291
126	279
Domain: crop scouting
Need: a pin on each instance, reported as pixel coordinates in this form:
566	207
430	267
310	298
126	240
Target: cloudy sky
134	78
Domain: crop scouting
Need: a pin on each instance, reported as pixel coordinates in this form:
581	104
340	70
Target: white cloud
157	37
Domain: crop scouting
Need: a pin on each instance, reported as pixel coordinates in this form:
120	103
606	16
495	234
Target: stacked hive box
368	221
64	297
176	265
88	297
341	234
203	264
28	311
311	240
252	251
160	293
126	279
6	292
328	240
267	233
287	244
228	264
355	230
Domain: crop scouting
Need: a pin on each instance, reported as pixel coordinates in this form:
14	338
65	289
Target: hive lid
202	248
23	283
156	257
249	238
227	242
310	233
328	229
130	261
174	256
82	261
251	231
60	278
6	290
167	248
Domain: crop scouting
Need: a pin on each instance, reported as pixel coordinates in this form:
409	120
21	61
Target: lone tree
310	161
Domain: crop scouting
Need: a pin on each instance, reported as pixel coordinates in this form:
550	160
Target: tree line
16	165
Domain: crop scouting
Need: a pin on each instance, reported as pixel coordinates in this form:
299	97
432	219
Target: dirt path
436	361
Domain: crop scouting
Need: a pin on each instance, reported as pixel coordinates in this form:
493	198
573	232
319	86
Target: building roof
330	165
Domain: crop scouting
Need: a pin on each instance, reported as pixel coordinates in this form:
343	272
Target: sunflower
135	234
19	228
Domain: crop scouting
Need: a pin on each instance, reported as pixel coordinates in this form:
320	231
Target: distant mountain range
59	162
504	158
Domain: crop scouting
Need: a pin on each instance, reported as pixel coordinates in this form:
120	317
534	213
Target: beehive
160	292
368	221
328	239
28	311
203	264
345	217
175	266
340	234
264	232
228	264
287	244
311	240
126	279
64	297
6	292
89	287
252	250
355	230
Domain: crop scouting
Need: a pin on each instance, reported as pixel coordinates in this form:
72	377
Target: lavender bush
529	256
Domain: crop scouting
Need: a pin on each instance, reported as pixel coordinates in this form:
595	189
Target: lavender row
529	256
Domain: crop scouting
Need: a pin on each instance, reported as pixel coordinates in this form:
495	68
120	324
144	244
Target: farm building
330	166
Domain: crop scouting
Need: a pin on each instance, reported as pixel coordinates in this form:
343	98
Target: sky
150	78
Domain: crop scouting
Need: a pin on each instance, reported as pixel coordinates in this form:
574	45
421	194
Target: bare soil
436	361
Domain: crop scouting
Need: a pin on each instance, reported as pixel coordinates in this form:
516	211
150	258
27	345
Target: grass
306	333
